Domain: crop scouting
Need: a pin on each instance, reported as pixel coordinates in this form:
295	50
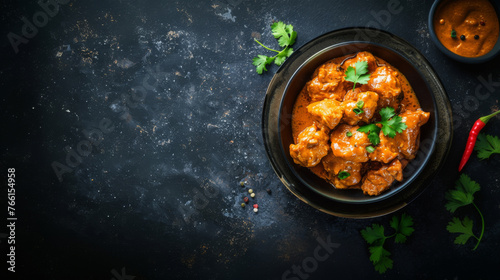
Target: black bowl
472	60
289	80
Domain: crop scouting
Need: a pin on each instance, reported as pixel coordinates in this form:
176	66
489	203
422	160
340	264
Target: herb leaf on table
375	236
286	36
463	195
464	227
487	145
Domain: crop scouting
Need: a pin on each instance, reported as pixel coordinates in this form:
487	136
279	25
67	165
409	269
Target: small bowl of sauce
466	30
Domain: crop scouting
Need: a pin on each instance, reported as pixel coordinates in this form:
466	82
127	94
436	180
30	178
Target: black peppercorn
462	37
476	37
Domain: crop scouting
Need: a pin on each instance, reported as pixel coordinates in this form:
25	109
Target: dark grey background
185	139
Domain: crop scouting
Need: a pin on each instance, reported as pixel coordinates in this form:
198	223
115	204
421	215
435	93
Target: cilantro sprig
390	124
463	195
487	145
286	36
376	238
357	74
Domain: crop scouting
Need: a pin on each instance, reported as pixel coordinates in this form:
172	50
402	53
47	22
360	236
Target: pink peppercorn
255	206
245	199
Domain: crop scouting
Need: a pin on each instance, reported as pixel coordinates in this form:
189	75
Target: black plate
297	70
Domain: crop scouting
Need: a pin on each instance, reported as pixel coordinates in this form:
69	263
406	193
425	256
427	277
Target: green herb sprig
463	195
376	237
358	74
286	36
390	122
487	145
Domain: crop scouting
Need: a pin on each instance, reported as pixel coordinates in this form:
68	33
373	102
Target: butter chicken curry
338	126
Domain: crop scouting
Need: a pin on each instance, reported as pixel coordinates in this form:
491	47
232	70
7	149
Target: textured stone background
168	94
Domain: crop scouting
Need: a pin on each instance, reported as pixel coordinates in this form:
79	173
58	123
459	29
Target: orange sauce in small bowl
475	23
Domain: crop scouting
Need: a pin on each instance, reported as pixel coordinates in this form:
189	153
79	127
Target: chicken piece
311	147
409	139
333	165
377	181
351	148
386	150
328	112
369	100
326	83
385	81
362	56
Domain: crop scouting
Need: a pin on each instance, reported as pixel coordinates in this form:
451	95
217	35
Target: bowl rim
271	110
472	60
393	191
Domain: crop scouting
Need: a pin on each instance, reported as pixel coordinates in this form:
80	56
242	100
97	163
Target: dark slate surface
167	93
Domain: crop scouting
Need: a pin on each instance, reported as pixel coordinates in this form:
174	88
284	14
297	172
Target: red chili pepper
474	132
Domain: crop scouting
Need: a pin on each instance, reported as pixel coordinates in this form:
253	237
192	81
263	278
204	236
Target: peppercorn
252	194
256	210
441	21
268	191
242	183
245	199
462	37
482	23
255	206
476	37
243	205
250	191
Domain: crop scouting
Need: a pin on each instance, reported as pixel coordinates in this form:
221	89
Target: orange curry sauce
302	119
475	23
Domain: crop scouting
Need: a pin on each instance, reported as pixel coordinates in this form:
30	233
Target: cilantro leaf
462	195
384	262
261	61
387	113
391	124
464	227
487	145
374	138
358	73
369	128
373	234
373	133
403	227
286	37
283	55
284	33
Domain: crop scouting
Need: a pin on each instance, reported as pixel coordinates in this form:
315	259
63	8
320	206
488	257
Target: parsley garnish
343	174
463	195
391	124
375	236
487	145
359	74
286	37
348	134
